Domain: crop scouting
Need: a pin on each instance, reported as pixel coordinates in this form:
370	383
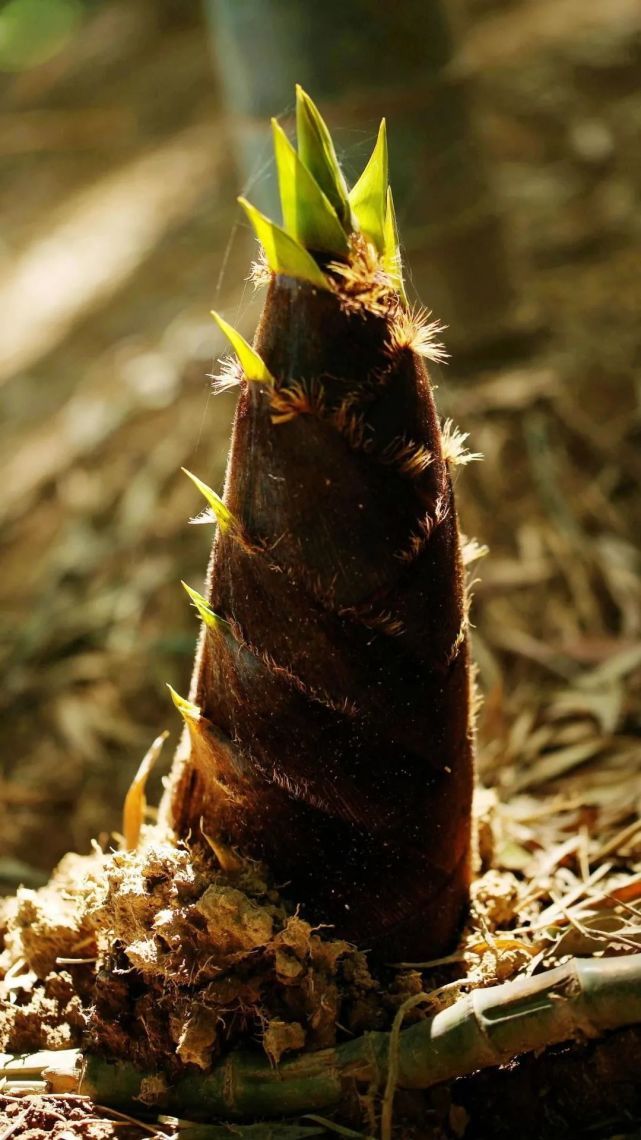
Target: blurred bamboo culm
363	60
328	726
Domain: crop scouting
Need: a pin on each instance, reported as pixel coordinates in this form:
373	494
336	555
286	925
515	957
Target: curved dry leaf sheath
334	739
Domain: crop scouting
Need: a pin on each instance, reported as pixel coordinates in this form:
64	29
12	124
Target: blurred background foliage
125	132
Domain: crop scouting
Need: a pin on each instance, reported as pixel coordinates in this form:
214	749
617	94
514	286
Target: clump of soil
193	958
47	1014
160	956
47	965
42	926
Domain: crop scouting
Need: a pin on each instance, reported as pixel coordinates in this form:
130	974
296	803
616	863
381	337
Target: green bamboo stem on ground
582	999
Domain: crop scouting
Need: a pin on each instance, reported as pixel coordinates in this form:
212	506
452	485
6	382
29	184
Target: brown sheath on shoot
329	725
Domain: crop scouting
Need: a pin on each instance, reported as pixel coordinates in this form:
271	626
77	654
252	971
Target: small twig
13	1127
447	960
553	914
583	855
339	1129
76	961
625	906
553	858
126	1119
15	968
573	896
607	936
393	1061
617	841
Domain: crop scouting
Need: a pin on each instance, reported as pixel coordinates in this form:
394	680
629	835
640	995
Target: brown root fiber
335	695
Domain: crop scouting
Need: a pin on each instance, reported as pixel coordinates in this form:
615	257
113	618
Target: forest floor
104	393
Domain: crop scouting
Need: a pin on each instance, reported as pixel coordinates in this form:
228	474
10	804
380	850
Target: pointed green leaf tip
284	254
187	709
219	512
368	198
316	150
308	215
212	620
254	368
392	261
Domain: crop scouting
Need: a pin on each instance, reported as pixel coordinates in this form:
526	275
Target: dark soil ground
61	1118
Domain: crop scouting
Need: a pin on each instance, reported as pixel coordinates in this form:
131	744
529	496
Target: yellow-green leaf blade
317	152
368	198
284	254
204	610
392	261
219	511
187	709
254	368
308	215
